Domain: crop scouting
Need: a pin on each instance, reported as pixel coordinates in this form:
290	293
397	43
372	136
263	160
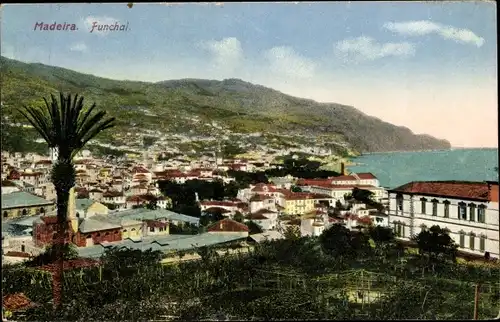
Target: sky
429	66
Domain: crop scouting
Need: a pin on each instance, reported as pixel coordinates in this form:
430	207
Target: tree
292	232
341	243
381	235
49	256
296	189
67	127
238	216
436	242
253	227
152	205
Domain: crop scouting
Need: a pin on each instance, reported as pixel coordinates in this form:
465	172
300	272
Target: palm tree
66	126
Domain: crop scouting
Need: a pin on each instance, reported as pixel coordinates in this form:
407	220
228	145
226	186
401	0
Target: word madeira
55	26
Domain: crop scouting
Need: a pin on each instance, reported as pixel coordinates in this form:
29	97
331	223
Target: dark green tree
436	242
253	227
238	216
66	126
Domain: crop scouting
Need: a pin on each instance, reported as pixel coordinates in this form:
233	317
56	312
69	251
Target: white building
469	210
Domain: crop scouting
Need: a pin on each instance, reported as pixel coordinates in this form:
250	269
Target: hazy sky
430	66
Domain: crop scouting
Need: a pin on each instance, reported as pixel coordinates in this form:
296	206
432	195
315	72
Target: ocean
394	169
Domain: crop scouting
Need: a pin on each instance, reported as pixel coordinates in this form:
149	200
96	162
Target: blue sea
394	169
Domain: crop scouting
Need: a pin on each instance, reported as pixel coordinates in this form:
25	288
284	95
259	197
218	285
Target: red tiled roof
262	187
15	302
217	209
7	183
256	216
366	176
220	203
452	189
112	194
259	198
18	254
44	162
228	225
137	170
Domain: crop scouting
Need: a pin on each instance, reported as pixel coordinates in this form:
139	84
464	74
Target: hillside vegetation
192	106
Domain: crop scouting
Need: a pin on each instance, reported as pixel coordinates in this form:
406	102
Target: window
482	242
462	211
423	202
472	212
5	214
462	239
399	203
151	229
446	209
434	207
472	240
481	213
161	228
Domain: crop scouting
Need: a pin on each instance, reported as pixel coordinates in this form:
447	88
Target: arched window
423	203
472	212
25	212
482	242
5	214
481	210
106	234
446	204
434	207
42	210
89	236
472	240
399	203
462	211
98	235
124	230
462	239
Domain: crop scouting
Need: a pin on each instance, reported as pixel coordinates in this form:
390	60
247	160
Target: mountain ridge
239	106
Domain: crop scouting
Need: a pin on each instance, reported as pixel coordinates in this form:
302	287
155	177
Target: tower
72	210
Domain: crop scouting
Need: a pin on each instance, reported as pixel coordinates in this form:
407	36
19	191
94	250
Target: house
114	198
157	227
17	204
164	202
46	190
33	178
95	194
228	226
468	210
130	228
258	202
265	218
86	208
9	186
300	203
313	223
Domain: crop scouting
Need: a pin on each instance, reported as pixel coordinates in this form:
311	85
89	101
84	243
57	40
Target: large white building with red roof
338	187
468	210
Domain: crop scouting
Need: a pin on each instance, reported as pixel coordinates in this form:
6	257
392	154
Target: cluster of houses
107	205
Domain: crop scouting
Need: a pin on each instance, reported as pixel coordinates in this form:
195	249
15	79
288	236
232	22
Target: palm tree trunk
57	277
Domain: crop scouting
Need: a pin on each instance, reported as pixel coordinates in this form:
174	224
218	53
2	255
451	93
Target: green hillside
191	105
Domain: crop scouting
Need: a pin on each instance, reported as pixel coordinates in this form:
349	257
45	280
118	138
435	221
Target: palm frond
65	124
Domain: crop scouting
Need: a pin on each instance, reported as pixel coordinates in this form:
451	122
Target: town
121	203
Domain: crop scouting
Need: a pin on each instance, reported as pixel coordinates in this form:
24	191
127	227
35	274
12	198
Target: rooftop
20	199
162	243
452	189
